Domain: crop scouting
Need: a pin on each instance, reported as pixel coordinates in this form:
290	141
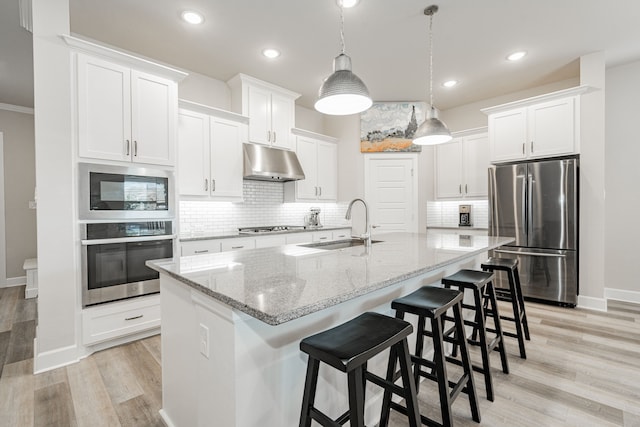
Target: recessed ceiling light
450	83
516	56
347	3
192	17
271	53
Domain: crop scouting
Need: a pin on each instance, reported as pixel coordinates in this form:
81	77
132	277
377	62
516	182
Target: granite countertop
193	236
282	283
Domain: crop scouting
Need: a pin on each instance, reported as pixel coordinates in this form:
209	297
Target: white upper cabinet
461	166
318	156
271	110
210	157
543	126
125	114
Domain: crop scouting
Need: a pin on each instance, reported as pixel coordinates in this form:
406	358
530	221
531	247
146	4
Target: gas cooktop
269	229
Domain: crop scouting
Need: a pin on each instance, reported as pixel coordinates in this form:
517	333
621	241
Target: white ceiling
387	40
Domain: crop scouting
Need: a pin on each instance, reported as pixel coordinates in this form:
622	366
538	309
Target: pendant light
343	92
432	131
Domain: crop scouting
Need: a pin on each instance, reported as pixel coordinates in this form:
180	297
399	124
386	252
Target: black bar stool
348	348
433	302
513	294
481	285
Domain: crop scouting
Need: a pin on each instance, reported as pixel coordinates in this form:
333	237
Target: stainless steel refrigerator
537	203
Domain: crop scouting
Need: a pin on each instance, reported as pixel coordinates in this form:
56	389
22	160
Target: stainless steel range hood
264	163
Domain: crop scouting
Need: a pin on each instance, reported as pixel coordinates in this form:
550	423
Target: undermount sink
337	244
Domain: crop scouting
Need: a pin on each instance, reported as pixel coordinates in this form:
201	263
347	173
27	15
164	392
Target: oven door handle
126	240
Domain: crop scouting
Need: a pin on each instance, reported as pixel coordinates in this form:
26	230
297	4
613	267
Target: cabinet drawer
237	244
322	236
296	238
199	247
270	241
114	320
341	234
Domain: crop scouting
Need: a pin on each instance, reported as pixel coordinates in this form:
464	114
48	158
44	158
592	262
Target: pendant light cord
342	27
431	60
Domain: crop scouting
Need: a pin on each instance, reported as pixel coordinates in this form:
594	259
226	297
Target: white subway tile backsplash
263	205
445	213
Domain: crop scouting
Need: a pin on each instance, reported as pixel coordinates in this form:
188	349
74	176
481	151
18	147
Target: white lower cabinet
198	247
118	319
341	234
295	238
237	243
270	241
322	236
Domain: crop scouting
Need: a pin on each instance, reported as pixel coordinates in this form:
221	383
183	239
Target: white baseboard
622	295
53	359
13	281
592	303
30	293
166	418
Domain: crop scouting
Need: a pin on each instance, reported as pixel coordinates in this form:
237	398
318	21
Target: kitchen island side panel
255	372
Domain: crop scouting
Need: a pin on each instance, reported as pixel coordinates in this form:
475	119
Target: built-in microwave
116	192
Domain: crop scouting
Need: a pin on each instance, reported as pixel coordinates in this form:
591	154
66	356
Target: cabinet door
259	111
307	188
327	153
449	170
154	114
270	241
552	128
475	149
322	236
104	109
193	154
508	135
282	121
226	159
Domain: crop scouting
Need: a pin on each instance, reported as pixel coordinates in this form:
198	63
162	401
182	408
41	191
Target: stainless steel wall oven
114	256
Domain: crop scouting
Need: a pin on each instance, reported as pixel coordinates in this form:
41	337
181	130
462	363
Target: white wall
592	182
20	181
205	90
622	178
59	288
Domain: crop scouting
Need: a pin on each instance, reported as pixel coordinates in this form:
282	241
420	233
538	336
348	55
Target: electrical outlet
204	340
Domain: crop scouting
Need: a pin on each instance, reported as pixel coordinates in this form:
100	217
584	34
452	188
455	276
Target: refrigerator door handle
503	251
529	210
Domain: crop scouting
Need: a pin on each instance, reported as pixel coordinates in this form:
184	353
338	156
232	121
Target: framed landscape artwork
389	127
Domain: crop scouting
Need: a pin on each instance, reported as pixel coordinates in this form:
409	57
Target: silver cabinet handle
203	251
460	188
275	136
269	135
206	184
532	146
134	317
322	238
135	148
375	226
523	148
465	189
316	190
128	147
237	247
213	185
320	192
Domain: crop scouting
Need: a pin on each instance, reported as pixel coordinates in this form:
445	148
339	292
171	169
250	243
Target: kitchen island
232	322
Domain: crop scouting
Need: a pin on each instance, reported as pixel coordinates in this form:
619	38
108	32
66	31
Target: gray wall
19	184
622	175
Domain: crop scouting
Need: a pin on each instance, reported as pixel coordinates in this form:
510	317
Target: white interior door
391	191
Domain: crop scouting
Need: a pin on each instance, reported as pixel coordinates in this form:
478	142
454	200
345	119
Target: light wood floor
583	369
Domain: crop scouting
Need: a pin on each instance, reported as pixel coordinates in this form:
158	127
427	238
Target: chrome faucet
366	237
